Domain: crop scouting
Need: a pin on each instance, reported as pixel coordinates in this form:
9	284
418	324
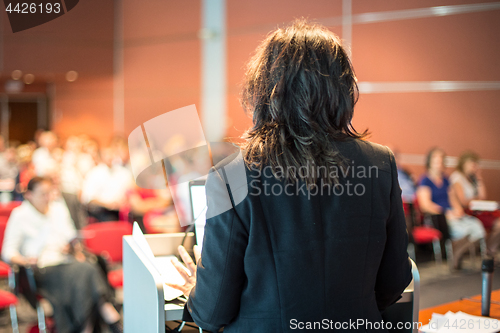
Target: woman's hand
455	212
189	278
458	213
78	252
23	261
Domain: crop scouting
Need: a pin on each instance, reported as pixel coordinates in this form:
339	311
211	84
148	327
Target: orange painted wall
84	107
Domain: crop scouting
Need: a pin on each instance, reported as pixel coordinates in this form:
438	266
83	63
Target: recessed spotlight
29	78
71	76
17	74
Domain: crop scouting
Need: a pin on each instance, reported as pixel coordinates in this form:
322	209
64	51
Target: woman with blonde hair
467	182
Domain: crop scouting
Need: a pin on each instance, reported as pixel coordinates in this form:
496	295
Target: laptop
198	198
163	264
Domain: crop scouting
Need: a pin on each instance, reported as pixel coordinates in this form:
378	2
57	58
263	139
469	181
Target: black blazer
281	262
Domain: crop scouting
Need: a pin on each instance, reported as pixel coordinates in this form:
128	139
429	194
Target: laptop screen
198	208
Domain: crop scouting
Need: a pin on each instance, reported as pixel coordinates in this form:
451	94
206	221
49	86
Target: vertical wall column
347	24
4	116
213	69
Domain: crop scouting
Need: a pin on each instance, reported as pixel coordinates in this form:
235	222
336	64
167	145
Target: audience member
439	200
89	156
408	194
71	180
468	184
42	158
36	138
40	233
407	184
9	172
142	201
119	146
8	164
26	169
104	188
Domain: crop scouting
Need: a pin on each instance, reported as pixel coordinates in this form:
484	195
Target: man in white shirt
105	187
42	158
9	171
40	233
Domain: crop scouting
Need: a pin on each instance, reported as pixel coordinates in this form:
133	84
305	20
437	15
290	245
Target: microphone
487	267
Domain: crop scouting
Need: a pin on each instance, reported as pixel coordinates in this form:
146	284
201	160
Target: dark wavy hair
300	89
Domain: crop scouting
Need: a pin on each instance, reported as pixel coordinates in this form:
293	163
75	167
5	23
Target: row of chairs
102	239
427	229
8	300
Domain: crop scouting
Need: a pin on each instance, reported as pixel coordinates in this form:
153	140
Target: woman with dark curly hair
314	233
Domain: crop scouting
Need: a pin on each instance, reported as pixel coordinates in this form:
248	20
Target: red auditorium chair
4	268
426	235
105	239
115	278
3	225
423	234
9	300
6	208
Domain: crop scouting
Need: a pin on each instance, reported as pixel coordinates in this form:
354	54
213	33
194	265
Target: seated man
40	233
104	188
8	174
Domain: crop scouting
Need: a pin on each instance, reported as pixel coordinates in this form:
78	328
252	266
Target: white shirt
35	235
70	177
84	163
106	184
467	186
43	162
7	170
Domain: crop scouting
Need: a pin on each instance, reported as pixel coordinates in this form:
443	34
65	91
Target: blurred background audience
95	183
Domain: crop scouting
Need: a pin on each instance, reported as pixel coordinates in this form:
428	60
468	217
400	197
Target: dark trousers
75	290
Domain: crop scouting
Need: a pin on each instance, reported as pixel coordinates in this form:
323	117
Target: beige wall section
414	122
84	107
451	48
